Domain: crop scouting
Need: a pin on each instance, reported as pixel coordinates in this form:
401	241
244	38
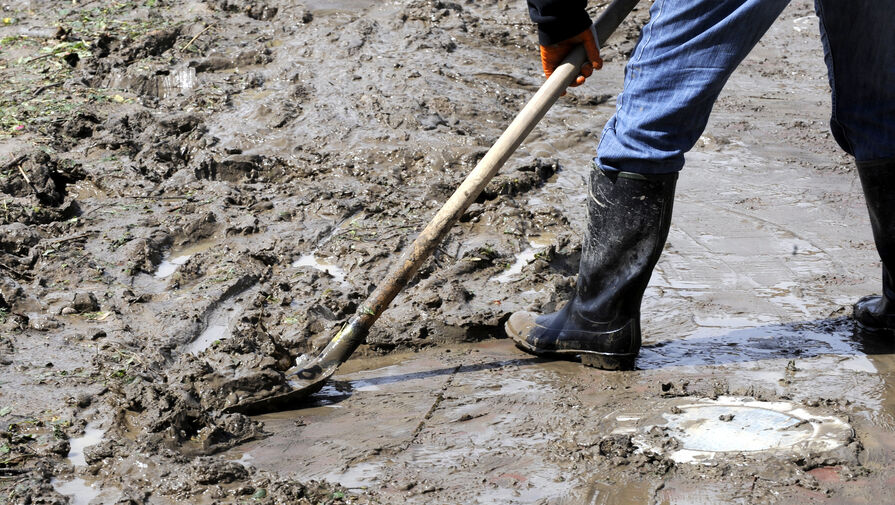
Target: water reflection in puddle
180	256
211	334
334	271
338	5
178	82
77	490
721	341
169	266
92	436
710	429
84	190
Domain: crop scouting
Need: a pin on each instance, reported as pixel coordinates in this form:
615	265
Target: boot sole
603	361
875	331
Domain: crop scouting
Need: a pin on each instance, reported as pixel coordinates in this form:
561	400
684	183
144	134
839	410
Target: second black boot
875	315
628	220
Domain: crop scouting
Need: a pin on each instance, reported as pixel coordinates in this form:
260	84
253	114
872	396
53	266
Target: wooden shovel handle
487	168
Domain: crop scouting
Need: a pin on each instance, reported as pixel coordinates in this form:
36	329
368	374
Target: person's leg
859	49
685	55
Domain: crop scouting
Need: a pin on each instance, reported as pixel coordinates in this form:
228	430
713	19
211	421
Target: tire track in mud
402	447
422	424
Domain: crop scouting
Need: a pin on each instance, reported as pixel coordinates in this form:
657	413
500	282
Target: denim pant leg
684	57
859	49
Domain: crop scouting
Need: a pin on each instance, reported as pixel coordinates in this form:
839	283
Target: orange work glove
552	56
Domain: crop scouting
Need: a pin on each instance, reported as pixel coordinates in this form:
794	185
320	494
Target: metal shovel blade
309	373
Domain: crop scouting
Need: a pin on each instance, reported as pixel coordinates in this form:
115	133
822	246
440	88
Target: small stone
726	417
85	302
42	323
98	452
84	400
59	447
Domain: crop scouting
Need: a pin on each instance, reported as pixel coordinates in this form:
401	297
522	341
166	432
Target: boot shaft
628	220
878	183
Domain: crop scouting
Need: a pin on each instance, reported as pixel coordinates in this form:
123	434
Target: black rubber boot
628	220
875	315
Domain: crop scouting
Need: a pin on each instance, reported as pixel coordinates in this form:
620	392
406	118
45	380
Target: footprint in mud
218	324
179	257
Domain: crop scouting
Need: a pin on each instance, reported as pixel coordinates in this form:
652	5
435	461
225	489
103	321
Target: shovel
310	372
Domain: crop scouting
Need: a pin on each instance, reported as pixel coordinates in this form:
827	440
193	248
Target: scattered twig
46	87
69	239
7	267
7	165
188	44
25	176
10	472
15	273
35	58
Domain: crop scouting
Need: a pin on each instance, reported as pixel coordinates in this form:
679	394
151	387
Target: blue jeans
690	48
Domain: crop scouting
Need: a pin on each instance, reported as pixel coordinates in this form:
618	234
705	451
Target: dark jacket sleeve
558	20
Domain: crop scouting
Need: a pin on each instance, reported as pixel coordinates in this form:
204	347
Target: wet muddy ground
195	193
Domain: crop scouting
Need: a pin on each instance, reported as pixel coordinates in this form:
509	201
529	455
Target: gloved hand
553	55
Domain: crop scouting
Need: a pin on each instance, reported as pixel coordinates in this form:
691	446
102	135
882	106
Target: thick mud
195	193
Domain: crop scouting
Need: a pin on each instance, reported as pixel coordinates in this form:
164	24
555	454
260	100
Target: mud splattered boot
875	315
628	220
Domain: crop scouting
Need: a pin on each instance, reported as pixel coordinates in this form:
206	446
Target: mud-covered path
194	193
486	423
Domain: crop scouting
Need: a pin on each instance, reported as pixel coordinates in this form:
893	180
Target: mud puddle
93	435
490	410
86	492
180	81
434	414
322	6
714	429
77	489
179	257
314	260
330	269
536	246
